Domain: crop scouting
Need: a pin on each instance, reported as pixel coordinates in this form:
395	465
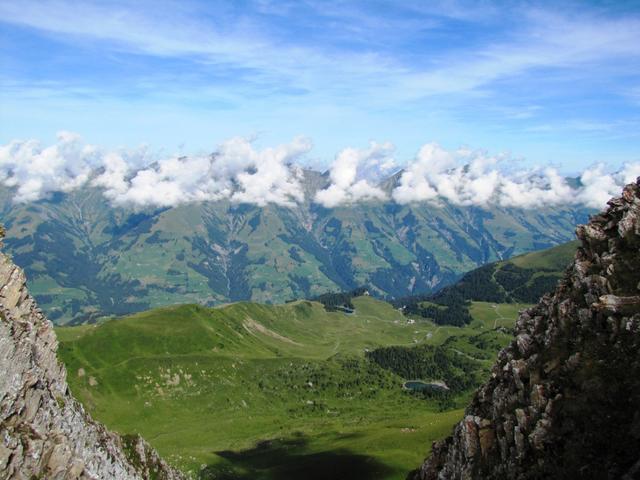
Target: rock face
563	400
44	431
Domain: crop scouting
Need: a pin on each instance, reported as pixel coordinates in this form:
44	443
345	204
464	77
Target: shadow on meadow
288	459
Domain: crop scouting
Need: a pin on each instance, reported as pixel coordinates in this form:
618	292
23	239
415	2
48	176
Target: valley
319	240
268	392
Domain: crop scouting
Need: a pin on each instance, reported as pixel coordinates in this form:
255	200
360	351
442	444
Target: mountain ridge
87	259
45	431
563	398
522	279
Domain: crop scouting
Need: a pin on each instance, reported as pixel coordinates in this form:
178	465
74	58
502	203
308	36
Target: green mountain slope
87	259
522	279
272	392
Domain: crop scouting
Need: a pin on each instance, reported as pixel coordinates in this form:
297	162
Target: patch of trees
455	313
448	307
536	288
496	282
340	300
427	362
477	285
502	283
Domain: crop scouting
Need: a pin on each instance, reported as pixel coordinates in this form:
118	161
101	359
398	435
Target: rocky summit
563	400
44	432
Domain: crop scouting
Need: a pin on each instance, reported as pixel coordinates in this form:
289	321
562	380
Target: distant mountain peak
154	256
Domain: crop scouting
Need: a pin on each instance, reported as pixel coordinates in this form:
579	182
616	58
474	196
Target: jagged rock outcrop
563	400
44	432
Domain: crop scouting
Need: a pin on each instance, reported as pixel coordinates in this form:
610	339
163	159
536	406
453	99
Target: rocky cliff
44	431
563	400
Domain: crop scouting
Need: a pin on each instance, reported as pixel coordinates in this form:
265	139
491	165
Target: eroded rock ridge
563	400
44	432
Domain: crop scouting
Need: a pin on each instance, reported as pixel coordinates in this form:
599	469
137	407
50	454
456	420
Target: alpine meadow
337	240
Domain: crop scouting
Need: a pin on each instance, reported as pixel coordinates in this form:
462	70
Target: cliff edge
44	432
563	400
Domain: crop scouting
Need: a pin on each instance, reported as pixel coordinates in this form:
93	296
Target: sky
555	82
540	84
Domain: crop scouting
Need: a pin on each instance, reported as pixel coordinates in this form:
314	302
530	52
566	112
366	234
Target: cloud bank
239	172
354	175
236	171
473	178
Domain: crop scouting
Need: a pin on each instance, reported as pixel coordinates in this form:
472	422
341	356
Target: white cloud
36	171
240	172
416	182
273	178
353	172
462	177
546	38
535	189
468	178
600	186
237	171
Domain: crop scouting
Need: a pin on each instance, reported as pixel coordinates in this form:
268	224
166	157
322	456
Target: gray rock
44	432
564	397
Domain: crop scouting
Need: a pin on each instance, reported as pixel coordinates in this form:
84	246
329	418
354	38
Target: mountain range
87	258
300	389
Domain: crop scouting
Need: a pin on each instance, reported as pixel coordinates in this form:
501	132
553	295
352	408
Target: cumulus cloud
236	171
239	172
273	177
36	171
355	173
462	177
472	178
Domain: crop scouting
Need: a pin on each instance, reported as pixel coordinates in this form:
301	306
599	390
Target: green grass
487	315
555	258
205	386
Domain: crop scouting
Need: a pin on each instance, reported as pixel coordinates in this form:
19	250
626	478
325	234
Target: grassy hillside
550	259
270	392
522	279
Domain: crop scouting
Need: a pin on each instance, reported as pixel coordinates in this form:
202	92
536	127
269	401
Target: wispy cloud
254	50
454	71
232	47
546	41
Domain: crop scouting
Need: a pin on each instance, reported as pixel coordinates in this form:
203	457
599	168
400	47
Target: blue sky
551	83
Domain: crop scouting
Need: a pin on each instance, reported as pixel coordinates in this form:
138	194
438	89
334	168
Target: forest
500	282
339	300
428	363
